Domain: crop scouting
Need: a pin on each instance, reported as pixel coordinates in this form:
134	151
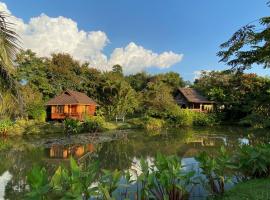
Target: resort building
189	98
70	104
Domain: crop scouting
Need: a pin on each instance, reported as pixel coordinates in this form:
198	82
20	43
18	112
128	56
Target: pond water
19	154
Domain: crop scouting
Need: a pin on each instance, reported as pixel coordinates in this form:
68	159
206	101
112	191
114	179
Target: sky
156	36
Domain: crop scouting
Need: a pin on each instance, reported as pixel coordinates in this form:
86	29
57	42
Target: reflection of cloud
243	141
136	169
4	179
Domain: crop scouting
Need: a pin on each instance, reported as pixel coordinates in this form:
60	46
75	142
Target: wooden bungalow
70	104
189	98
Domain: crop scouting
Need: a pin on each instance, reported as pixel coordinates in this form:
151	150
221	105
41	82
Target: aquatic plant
253	161
215	168
165	179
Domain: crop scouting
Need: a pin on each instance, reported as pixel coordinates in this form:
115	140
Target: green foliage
252	189
37	113
253	161
75	183
153	124
215	168
248	46
237	94
184	117
39	184
93	124
5	126
165	179
108	183
71	126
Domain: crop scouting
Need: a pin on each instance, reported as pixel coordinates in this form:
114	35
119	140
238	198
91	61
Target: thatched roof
193	96
70	97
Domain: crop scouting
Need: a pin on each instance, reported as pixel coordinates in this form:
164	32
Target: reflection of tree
19	162
115	155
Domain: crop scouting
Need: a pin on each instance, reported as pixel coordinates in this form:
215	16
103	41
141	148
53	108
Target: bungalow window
59	109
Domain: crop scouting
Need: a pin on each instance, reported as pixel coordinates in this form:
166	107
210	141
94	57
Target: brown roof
72	98
193	96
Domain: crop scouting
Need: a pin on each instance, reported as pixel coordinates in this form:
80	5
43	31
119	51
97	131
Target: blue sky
191	27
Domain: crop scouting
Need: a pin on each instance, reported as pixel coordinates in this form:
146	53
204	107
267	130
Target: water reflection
122	154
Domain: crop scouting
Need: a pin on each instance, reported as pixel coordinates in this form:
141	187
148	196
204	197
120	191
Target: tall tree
247	46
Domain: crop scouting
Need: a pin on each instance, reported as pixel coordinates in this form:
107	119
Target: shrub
136	122
37	112
153	124
94	124
204	119
253	161
5	126
71	126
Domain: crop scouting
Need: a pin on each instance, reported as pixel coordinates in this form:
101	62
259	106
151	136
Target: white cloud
46	35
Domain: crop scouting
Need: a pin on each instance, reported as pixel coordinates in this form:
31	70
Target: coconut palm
9	46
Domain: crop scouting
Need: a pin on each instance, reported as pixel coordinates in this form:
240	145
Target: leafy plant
75	183
253	161
93	124
165	179
71	126
153	124
215	168
5	126
39	184
109	182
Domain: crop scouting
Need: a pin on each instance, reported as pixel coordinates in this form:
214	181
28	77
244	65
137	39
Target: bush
93	124
153	124
253	161
37	112
5	125
204	119
136	122
71	126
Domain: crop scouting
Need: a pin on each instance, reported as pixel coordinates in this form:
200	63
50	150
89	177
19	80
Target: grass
257	189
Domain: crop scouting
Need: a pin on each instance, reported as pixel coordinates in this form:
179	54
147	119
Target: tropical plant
38	184
71	126
253	161
76	183
108	183
9	46
165	179
216	170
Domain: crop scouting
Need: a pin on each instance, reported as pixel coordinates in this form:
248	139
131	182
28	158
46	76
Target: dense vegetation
163	178
240	97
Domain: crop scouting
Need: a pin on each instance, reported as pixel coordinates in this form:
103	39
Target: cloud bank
46	35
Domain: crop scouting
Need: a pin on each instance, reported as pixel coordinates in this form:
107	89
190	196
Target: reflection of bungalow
64	152
189	98
70	104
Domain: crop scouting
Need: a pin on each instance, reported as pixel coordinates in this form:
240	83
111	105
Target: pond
19	154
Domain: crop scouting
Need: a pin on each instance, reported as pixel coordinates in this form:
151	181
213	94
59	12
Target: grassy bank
257	189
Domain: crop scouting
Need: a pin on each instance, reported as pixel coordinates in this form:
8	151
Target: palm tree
9	46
